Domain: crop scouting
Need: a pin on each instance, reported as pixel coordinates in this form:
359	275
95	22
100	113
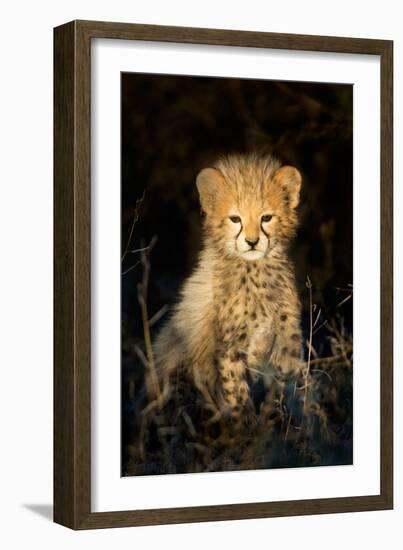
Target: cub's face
248	216
249	232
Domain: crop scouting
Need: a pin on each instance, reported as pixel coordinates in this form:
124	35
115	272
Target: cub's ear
209	182
290	180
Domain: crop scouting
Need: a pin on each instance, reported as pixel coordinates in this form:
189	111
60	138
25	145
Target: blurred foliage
172	127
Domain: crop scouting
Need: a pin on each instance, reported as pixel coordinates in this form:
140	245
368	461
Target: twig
141	356
344	301
130	268
189	423
329	360
309	285
314	353
136	250
317	317
320	326
289	418
157	316
158	402
135	219
142	291
323	372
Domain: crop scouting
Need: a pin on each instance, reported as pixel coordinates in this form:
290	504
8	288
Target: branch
136	215
142	292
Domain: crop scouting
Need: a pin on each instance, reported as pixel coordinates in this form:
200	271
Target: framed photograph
222	276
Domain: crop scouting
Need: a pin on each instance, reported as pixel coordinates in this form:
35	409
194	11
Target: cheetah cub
238	317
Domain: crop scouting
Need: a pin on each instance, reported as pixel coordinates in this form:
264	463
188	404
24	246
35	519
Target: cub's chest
245	305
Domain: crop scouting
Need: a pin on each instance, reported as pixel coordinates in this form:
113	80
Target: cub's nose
252	242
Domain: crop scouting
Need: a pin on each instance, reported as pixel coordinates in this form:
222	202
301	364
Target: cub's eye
235	219
266	218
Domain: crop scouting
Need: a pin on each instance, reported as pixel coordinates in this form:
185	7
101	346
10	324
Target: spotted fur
238	317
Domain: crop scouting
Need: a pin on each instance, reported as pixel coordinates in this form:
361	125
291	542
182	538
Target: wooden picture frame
72	269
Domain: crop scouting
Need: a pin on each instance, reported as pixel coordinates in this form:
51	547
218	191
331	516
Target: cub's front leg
234	386
287	349
234	393
277	345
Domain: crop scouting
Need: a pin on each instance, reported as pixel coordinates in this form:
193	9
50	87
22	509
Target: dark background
172	127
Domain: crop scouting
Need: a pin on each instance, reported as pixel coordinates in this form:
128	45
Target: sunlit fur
249	191
238	314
